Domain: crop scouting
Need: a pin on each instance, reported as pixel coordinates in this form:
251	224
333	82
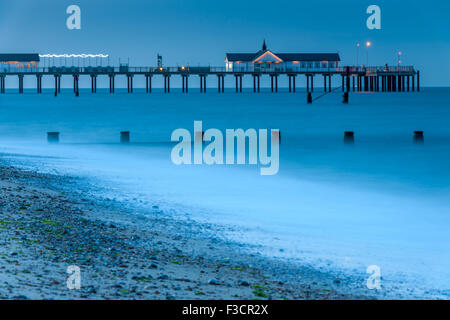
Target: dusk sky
201	32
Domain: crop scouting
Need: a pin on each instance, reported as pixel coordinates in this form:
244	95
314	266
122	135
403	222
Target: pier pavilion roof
19	57
285	57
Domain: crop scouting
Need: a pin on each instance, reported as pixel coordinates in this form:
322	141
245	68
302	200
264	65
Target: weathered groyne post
418	137
53	137
125	137
349	137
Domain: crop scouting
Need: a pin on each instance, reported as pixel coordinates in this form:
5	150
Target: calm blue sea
383	201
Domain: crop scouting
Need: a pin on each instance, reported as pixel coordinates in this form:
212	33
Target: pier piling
345	96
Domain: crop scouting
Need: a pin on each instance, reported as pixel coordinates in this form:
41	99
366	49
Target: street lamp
357	54
399	60
368	44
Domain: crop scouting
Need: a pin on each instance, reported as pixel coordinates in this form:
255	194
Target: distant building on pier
265	60
19	61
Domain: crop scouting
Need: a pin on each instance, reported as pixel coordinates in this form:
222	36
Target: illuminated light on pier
83	56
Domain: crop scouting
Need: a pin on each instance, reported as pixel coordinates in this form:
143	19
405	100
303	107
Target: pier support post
183	87
39	83
329	83
343	83
56	85
254	83
94	83
345	97
276	83
292	85
324	83
407	83
148	83
309	98
130	83
167	83
413	84
203	83
307	83
110	83
20	83
418	80
76	89
2	84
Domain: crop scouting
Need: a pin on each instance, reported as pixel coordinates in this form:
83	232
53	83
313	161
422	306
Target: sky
201	32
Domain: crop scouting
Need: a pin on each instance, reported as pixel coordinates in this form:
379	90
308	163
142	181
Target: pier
357	79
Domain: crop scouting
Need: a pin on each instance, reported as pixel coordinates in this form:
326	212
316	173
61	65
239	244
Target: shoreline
49	224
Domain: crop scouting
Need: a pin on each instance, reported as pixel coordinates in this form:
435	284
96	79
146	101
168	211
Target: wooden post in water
53	137
349	137
125	137
346	94
418	137
309	98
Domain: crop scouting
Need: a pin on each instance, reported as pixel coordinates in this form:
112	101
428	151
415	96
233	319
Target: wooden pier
358	79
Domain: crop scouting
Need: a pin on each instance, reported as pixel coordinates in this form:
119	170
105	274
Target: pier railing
207	70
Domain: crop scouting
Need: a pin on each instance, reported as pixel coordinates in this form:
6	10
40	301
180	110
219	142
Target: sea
382	201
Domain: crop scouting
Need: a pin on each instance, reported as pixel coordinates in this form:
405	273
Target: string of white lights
84	56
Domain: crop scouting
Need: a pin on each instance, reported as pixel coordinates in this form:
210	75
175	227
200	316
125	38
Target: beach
45	229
